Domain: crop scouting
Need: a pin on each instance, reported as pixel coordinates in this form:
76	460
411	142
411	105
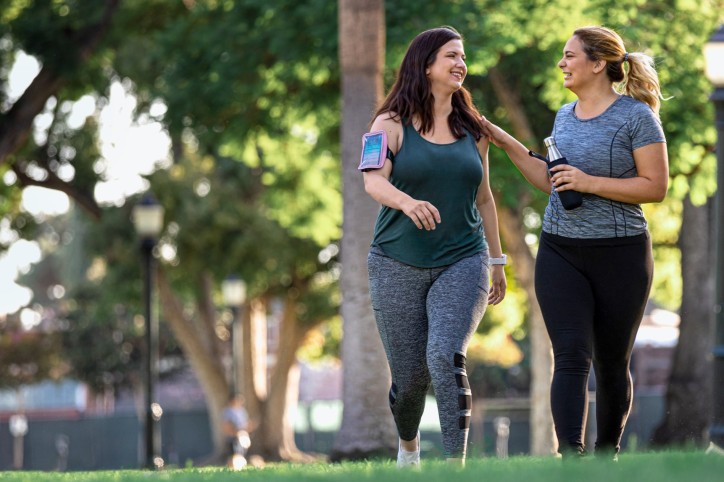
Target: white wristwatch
499	261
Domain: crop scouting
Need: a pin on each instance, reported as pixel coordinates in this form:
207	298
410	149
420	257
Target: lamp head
233	289
714	58
148	217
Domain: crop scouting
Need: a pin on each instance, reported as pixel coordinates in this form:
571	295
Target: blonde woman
594	265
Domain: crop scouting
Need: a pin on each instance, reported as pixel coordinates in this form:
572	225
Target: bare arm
229	429
534	170
649	185
378	186
486	205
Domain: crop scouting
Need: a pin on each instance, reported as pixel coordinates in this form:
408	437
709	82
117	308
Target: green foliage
270	231
301	178
491	29
665	222
51	30
102	343
220	221
254	64
16	221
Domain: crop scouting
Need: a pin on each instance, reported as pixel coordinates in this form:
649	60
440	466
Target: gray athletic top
602	146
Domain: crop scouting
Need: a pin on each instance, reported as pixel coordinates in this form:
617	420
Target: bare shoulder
388	121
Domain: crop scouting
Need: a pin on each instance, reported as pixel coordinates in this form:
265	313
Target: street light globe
148	217
18	425
233	289
714	58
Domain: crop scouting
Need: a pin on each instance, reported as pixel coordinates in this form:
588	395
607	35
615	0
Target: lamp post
18	425
233	289
148	221
714	57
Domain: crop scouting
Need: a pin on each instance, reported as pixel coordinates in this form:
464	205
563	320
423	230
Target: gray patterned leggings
426	317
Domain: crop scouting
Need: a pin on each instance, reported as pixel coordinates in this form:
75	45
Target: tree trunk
689	393
542	435
367	426
271	399
274	439
208	369
254	362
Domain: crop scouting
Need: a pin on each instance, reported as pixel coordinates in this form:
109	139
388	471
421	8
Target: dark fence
108	442
113	442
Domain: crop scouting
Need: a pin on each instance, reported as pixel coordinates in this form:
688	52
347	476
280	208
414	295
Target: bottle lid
549	141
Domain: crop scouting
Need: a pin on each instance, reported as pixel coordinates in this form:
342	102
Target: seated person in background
235	425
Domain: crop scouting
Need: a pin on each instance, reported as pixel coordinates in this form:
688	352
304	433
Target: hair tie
625	57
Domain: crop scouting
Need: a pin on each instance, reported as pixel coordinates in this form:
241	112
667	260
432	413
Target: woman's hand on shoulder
495	134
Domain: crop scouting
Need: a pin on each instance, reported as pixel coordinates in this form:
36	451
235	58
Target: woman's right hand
422	213
496	135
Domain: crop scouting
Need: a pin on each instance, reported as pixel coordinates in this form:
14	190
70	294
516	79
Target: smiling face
578	70
448	69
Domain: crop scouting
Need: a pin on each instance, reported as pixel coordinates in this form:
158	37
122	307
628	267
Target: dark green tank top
448	176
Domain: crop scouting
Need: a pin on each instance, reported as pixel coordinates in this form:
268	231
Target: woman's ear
599	66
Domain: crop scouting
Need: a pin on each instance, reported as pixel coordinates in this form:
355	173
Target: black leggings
592	294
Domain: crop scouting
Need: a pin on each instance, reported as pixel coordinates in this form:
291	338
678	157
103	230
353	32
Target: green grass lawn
636	467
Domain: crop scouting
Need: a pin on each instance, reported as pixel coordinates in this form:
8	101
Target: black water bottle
569	199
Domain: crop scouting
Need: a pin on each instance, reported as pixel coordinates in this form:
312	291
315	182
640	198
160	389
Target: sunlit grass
638	467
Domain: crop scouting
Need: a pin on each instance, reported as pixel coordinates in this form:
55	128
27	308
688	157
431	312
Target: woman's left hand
566	177
498	285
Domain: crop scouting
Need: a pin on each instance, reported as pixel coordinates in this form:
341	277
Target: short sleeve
645	127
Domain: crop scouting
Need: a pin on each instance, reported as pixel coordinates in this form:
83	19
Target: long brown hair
411	94
640	81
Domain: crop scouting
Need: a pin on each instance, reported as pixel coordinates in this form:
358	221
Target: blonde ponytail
641	81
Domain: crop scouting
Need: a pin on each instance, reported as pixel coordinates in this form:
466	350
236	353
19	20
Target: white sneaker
409	459
238	462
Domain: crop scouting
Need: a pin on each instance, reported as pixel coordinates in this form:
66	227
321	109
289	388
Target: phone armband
374	150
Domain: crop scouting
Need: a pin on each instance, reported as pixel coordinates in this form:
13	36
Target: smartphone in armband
374	150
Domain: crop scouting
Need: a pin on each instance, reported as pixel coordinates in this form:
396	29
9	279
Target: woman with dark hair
435	239
594	264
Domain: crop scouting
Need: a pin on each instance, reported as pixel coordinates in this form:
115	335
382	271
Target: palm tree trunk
367	427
